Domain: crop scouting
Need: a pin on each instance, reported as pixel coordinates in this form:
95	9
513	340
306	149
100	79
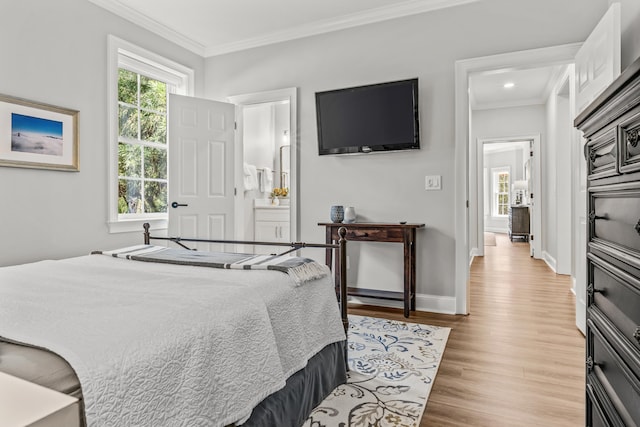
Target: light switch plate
433	182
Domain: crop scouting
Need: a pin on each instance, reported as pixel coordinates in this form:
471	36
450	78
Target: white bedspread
168	345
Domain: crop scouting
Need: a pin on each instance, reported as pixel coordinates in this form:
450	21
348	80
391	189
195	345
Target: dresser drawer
367	234
629	145
601	155
614	218
617	295
600	411
617	378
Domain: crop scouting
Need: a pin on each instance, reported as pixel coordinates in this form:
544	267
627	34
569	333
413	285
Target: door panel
188	168
201	169
597	65
598	60
216	227
216	168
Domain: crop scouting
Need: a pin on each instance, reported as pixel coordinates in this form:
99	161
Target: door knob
176	204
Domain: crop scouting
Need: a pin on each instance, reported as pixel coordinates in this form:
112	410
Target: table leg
413	270
407	272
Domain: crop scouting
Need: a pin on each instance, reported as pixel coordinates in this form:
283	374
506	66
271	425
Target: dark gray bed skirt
290	406
306	389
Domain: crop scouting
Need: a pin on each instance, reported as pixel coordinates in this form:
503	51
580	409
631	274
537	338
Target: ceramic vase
337	213
349	215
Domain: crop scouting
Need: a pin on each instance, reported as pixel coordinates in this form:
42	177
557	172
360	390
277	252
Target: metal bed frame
340	248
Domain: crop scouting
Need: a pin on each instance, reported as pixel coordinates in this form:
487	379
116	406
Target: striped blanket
301	270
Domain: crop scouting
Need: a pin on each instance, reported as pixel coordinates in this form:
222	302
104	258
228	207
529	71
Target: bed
151	335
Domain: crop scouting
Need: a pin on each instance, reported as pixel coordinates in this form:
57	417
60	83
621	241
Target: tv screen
372	118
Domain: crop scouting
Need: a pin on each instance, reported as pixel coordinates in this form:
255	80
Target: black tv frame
363	149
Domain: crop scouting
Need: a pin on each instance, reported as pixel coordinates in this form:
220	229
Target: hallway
518	358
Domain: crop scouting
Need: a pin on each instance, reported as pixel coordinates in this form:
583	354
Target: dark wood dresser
611	126
519	222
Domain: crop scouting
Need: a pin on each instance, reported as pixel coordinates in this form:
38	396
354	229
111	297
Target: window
140	84
500	191
142	144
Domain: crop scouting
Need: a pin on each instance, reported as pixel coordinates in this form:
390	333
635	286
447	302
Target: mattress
288	406
39	366
154	334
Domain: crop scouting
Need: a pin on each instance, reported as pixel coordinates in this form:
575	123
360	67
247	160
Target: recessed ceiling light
509	85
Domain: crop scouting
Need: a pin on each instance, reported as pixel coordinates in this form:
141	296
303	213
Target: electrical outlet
432	182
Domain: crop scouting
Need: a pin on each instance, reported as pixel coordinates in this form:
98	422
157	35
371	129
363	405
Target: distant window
500	187
140	84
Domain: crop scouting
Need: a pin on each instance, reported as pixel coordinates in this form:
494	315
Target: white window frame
494	190
179	79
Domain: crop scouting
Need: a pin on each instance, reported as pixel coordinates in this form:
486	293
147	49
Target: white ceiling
531	87
210	28
214	27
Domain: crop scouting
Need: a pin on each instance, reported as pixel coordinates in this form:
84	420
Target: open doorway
503	176
266	153
467	148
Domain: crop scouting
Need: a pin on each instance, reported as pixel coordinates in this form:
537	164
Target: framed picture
34	135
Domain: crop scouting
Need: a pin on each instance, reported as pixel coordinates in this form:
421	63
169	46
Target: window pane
128	121
153	127
129	196
129	160
155	163
155	197
127	87
153	94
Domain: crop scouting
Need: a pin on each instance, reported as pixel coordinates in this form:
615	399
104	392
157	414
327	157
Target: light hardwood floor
518	358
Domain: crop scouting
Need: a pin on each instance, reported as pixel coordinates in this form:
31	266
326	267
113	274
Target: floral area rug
392	367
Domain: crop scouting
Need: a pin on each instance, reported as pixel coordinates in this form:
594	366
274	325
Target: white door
597	65
201	169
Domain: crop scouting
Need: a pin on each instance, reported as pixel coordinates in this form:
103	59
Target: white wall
390	187
55	52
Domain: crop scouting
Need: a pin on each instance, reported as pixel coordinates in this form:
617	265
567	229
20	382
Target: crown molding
410	7
371	16
118	8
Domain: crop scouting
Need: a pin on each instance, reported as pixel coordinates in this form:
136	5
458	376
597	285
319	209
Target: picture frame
38	136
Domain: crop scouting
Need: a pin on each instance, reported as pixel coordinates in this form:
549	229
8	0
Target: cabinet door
271	231
284	232
266	231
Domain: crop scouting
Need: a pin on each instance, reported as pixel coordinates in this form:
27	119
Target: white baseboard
424	302
573	285
551	261
472	254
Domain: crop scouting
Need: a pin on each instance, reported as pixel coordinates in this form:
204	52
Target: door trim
555	55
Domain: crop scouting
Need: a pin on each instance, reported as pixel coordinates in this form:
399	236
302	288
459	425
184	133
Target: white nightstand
23	403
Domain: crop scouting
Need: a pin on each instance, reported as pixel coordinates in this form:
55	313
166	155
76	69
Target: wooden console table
381	232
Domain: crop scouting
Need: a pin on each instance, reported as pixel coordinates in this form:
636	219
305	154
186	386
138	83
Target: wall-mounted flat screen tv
365	119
